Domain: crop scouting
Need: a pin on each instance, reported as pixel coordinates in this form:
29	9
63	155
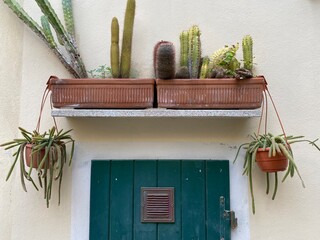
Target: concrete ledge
155	113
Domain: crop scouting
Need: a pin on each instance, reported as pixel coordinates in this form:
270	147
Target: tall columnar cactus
73	62
194	51
164	60
114	51
184	48
68	17
247	52
127	39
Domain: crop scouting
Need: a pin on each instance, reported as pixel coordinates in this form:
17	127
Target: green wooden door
115	201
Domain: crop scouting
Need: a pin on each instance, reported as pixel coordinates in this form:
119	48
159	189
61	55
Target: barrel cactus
164	60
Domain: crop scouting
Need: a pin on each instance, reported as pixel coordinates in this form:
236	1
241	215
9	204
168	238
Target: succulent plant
114	50
194	51
190	51
247	43
164	60
126	49
242	73
72	61
276	144
225	58
204	71
182	73
184	48
52	145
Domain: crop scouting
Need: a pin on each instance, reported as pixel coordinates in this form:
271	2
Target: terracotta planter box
102	93
228	93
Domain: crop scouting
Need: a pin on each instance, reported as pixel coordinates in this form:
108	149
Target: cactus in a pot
247	44
190	52
114	49
184	48
164	60
126	49
194	51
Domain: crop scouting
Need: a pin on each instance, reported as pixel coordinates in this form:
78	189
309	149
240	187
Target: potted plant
272	153
45	153
209	82
121	91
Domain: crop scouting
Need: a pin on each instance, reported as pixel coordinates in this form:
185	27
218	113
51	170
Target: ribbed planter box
102	93
228	93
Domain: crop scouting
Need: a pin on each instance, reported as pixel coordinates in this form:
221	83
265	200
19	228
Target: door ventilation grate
157	204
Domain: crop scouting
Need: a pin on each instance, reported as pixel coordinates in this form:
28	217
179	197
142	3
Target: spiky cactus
194	51
68	17
182	73
73	62
125	63
205	68
114	51
225	58
247	43
184	48
164	60
47	31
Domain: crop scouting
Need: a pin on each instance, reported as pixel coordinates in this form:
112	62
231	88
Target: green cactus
247	43
184	48
225	58
127	39
182	73
75	66
205	67
164	60
68	17
194	51
114	50
69	44
47	31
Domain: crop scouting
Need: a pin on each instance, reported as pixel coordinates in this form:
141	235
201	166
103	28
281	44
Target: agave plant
274	145
51	146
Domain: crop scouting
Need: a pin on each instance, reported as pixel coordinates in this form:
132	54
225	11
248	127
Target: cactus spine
114	50
247	52
184	48
164	60
127	39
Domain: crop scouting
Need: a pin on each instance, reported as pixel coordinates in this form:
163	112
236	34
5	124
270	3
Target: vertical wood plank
193	200
99	200
217	185
169	175
145	175
121	200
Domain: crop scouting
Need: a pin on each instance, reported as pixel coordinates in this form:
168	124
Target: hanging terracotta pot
36	157
276	163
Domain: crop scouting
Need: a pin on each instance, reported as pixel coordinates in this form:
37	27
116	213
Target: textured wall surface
286	35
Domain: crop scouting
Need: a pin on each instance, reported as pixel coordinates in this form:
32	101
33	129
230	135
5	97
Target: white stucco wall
286	35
